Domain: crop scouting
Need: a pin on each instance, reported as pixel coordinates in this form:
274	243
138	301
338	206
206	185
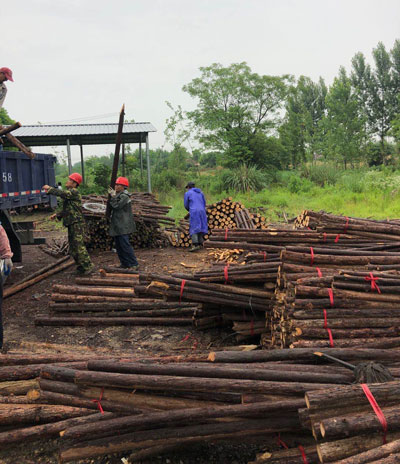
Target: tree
234	104
378	89
5	118
305	108
345	130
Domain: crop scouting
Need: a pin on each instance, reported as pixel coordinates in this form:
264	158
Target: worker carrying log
6	267
70	211
5	75
122	224
195	203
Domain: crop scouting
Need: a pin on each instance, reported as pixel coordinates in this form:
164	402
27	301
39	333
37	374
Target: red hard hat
8	73
122	181
76	177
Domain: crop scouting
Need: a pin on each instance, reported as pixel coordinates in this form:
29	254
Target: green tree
101	176
5	118
233	104
305	107
345	130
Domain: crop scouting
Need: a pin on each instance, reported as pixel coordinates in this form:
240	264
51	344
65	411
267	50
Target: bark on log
87	321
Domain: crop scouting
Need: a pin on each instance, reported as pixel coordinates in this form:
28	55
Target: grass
336	199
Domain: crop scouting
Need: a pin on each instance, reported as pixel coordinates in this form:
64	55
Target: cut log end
211	357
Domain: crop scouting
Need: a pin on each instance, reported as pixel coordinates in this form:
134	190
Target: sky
78	61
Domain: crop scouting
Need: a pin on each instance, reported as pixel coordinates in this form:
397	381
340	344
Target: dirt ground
21	333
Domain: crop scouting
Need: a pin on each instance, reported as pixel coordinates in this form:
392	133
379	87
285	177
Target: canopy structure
87	134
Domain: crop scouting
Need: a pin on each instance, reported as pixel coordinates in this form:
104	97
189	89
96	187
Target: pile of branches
149	217
56	247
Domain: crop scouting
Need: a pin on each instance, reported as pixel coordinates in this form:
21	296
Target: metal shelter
87	134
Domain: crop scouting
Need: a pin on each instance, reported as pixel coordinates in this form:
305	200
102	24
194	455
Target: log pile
149	216
224	214
348	430
114	297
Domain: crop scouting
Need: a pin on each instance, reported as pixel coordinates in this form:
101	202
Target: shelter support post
69	157
123	159
141	159
82	166
148	164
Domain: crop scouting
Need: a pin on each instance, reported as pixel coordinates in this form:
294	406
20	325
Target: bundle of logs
56	247
149	216
224	214
114	297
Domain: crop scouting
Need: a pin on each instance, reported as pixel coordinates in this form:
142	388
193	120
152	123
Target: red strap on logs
226	234
181	292
226	273
330	293
264	254
346	225
312	255
303	455
373	280
377	409
98	401
328	329
337	238
324	236
319	272
281	442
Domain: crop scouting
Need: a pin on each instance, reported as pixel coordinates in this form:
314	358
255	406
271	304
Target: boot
195	248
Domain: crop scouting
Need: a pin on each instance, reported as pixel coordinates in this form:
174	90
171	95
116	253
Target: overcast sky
75	59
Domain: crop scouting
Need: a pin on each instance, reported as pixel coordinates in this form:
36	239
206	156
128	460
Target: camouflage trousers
77	248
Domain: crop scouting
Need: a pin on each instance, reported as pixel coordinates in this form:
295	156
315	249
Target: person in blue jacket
195	203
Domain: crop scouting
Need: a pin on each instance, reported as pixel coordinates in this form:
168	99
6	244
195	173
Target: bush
296	185
321	174
244	179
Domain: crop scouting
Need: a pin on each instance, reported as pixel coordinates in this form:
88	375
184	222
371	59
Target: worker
70	211
195	203
122	223
5	75
6	267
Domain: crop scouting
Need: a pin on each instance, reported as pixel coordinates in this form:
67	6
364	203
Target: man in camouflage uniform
70	212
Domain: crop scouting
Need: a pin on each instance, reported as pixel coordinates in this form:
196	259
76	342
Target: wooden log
134	304
87	321
168	418
14	373
64	297
27	283
96	291
106	282
374	454
21	147
214	371
20	435
142	439
15	414
288	456
10	128
19	387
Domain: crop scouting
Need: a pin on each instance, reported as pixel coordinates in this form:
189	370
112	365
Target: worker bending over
195	203
122	223
5	75
70	211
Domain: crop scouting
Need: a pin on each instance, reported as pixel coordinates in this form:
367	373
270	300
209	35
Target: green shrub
321	174
244	179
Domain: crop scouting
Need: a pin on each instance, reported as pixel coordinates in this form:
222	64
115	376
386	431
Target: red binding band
252	327
337	238
330	293
373	280
325	319
324	236
226	273
319	272
264	254
98	401
312	255
226	234
303	455
346	225
281	442
330	337
181	292
377	409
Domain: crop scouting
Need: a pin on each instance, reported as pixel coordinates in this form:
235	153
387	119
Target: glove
111	191
8	265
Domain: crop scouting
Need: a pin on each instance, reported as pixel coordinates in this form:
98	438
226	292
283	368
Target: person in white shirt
5	75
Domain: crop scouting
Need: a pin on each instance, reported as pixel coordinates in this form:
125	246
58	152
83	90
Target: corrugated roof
81	129
81	134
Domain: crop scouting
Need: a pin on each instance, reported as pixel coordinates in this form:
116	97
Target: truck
21	181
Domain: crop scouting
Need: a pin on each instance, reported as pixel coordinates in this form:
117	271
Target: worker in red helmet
122	224
70	211
5	75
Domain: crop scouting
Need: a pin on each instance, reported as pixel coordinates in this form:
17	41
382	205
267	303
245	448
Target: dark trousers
1	315
125	251
198	239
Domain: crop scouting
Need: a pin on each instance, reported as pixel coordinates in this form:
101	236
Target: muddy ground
21	333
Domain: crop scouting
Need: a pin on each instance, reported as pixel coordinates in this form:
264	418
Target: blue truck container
21	181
